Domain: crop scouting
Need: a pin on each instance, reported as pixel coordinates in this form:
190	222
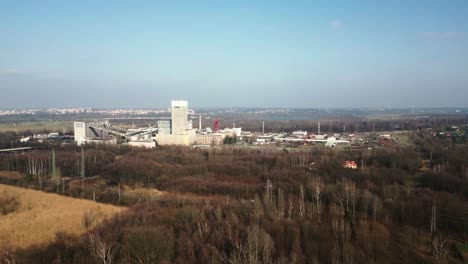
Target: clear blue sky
234	53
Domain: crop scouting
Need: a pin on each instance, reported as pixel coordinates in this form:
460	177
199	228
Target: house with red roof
350	164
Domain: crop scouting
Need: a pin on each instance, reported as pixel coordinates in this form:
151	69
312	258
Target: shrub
148	245
9	203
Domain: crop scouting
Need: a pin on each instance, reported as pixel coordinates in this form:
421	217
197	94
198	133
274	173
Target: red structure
216	125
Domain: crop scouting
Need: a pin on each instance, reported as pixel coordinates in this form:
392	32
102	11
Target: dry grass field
41	215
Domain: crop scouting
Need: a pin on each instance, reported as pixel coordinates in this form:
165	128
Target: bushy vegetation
9	203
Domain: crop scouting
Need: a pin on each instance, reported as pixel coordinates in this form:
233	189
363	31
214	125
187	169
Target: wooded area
265	205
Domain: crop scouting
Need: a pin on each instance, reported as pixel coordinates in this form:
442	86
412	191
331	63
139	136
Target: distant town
260	111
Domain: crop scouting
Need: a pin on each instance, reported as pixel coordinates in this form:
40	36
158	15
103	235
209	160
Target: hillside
41	215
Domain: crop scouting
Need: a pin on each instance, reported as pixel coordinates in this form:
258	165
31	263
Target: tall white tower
179	117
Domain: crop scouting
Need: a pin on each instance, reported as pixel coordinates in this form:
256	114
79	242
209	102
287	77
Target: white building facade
179	117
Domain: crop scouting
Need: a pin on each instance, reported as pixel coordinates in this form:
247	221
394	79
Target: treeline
39	162
57	168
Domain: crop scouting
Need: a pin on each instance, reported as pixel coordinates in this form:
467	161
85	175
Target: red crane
216	125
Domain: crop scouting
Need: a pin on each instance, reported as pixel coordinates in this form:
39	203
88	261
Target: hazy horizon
243	108
273	54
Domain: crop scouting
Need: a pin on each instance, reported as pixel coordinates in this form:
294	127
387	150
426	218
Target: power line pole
82	170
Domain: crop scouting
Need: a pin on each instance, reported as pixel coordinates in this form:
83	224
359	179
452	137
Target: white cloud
443	34
336	24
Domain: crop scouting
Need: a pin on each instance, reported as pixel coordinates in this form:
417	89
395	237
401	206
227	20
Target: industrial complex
178	130
178	125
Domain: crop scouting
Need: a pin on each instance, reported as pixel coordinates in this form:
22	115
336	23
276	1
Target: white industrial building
85	132
142	144
175	131
237	131
164	126
179	117
181	132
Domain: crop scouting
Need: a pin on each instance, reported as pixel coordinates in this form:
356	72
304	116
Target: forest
404	204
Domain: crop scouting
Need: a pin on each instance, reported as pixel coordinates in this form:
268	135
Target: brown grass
42	215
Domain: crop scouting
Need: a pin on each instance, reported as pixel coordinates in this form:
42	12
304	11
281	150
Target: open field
41	215
404	140
55	126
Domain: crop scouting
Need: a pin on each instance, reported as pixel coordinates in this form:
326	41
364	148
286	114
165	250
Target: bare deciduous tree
375	206
102	250
258	209
301	201
258	248
341	231
267	247
281	204
148	245
439	249
290	206
347	197
317	186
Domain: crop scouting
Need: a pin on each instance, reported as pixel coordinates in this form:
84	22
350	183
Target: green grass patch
404	140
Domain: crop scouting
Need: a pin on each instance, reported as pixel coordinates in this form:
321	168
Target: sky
304	54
